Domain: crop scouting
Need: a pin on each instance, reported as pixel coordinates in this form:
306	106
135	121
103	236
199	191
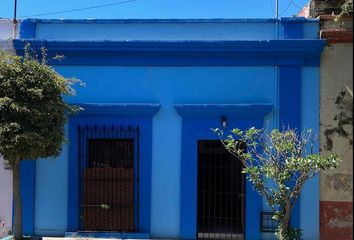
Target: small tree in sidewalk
32	116
278	163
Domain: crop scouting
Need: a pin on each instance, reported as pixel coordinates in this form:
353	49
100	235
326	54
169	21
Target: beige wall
6	34
5	199
336	74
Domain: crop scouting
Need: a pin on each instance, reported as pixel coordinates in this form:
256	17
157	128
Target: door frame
113	114
87	133
197	121
242	177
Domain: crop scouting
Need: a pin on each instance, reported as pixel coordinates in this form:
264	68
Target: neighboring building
154	89
5	199
6	34
336	118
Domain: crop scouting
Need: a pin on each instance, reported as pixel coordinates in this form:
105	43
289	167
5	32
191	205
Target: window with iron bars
109	178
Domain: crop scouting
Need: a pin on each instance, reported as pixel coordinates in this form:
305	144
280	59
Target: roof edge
175	20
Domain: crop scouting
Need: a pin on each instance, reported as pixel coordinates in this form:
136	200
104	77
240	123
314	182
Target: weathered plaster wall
336	118
5	199
337	136
5	29
6	34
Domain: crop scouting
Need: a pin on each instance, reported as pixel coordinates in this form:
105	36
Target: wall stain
340	221
343	118
336	220
339	182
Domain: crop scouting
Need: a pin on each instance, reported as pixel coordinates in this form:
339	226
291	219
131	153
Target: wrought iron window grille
268	224
109	178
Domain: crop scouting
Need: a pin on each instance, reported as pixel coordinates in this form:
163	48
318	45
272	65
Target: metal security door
109	173
220	193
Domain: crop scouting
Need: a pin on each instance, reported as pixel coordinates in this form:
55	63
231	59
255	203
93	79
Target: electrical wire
79	9
286	9
299	7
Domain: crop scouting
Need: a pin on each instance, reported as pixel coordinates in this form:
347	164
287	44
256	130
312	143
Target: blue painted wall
236	83
166	85
51	195
310	118
167	29
157	31
27	186
172	85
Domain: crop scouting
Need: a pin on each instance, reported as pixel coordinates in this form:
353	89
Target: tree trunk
284	223
282	234
17	200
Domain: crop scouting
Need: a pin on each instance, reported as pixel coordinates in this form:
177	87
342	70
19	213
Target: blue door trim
227	110
119	109
197	121
113	114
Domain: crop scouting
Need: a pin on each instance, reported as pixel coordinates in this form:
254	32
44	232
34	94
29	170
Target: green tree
346	10
278	163
32	116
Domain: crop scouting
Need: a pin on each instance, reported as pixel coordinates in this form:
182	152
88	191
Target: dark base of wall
336	220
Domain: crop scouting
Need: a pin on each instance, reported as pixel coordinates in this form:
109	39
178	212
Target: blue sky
151	8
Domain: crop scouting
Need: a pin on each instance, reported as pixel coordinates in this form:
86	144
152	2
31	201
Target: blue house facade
142	161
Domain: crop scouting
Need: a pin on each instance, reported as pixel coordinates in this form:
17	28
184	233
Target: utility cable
299	7
286	9
78	9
